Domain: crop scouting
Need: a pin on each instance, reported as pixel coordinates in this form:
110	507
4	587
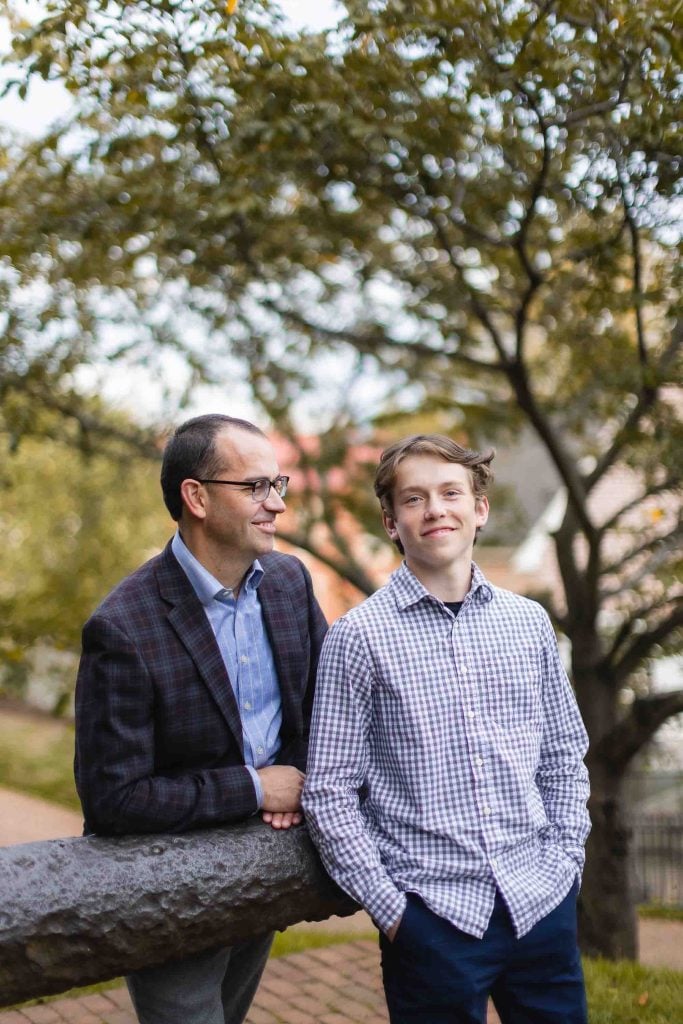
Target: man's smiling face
234	522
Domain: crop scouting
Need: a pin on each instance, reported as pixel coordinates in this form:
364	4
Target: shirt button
493	862
479	761
470	714
244	659
259	750
247	705
487	810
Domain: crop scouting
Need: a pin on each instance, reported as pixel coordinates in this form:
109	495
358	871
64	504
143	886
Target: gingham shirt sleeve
562	777
337	769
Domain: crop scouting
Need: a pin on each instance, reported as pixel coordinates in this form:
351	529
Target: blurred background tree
73	524
471	210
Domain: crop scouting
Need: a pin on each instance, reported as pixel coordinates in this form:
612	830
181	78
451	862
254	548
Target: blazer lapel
286	645
188	618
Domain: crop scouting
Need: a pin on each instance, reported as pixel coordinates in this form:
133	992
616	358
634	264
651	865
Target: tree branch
563	462
645	401
371	344
143	442
457	218
637	279
657	559
535	279
478	307
627	627
544	9
665	540
639	725
642	646
516	374
604	245
661	488
604	107
345	569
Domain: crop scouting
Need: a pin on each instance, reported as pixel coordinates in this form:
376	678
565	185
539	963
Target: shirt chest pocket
510	681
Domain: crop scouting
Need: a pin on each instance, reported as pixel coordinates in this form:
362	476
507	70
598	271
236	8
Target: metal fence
658	859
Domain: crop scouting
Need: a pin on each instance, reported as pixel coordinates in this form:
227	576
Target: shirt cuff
386	907
257	785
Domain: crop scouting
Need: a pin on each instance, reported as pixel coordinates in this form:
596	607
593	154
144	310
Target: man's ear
194	498
389	524
481	509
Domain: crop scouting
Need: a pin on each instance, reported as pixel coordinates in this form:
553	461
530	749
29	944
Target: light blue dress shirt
240	632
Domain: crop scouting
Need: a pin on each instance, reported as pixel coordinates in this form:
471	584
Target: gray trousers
213	987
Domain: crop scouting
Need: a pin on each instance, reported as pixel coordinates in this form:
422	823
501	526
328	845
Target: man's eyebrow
458	484
410	487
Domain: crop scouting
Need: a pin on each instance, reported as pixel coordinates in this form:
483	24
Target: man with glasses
195	688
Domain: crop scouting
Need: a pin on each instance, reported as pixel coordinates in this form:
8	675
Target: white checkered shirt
446	757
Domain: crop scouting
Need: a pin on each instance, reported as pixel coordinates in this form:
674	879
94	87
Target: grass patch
36	756
73	993
660	912
628	993
297	940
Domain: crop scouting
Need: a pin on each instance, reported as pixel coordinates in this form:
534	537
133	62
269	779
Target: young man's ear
389	524
481	509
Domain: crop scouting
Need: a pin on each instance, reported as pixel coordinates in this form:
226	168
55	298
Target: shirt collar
409	590
207	587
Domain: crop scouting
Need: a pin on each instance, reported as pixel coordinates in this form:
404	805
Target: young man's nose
434	508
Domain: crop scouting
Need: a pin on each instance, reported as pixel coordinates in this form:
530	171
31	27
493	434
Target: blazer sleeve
120	789
295	752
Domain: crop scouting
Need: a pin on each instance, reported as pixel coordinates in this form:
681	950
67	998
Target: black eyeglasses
260	489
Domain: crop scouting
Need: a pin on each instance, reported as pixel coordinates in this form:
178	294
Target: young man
446	789
195	688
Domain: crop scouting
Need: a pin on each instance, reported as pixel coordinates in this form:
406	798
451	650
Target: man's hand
391	932
282	819
282	785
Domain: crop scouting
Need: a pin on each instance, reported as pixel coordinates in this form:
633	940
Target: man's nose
274	503
434	508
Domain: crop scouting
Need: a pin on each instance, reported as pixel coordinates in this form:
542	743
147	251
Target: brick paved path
333	985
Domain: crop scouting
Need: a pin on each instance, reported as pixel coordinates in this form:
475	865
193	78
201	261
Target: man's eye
413	499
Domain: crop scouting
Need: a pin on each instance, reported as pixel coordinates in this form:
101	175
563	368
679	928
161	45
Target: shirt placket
474	723
246	695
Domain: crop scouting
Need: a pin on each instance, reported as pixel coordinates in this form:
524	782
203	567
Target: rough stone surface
77	911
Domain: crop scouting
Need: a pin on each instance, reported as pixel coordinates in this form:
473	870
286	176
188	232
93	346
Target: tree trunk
607	915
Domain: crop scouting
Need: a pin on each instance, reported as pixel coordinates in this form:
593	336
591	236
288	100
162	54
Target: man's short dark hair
191	453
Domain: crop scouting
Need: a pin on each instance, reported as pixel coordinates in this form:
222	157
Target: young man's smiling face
435	513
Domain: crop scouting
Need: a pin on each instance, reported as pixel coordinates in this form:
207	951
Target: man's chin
265	539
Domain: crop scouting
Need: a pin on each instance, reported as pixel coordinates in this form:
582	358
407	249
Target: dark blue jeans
435	974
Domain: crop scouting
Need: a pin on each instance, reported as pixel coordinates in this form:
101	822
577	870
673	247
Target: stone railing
78	911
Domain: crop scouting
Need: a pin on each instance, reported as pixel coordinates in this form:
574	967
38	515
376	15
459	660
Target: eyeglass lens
261	488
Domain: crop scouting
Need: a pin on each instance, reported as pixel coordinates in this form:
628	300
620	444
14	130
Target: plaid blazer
158	731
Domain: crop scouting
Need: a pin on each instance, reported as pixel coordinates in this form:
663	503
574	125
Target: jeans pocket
404	926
